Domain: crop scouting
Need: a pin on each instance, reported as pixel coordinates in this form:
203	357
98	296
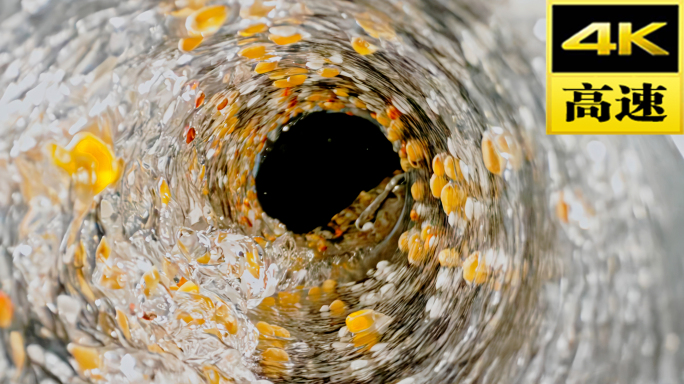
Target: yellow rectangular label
615	67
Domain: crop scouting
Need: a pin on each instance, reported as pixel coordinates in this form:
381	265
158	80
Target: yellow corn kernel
452	198
206	21
414	152
329	286
287	72
204	259
448	257
452	168
341	92
18	351
275	355
265	329
358	103
113	278
328	72
224	316
122	320
211	373
405	164
268	302
367	339
417	252
285	40
492	159
363	47
265	66
189	287
253	30
89	156
213	331
404	242
155	348
288	298
337	306
280	331
151	280
296	79
562	209
438	164
360	320
418	190
473	270
427	230
189	44
253	52
437	183
87	358
164	191
314	294
256	11
103	250
6	310
253	265
383	120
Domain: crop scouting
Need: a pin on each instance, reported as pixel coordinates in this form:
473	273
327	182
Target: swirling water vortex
135	250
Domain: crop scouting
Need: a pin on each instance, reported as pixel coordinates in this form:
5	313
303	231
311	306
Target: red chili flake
199	100
190	136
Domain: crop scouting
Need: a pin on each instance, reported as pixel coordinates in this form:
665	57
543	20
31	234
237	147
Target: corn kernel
253	265
189	287
189	43
122	320
268	302
253	52
452	168
341	92
473	270
414	152
404	242
417	252
337	306
438	164
88	155
164	192
418	190
264	67
280	331
212	374
151	280
256	11
6	310
113	278
562	209
363	47
367	339
329	286
452	198
275	355
360	320
288	298
328	72
285	40
224	316
87	358
253	30
437	183
448	257
18	351
206	21
492	159
405	164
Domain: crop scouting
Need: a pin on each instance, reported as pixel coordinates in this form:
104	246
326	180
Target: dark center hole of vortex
319	166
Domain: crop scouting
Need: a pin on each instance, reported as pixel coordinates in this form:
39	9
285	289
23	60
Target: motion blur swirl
135	247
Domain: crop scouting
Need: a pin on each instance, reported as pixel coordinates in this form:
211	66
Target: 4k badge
615	67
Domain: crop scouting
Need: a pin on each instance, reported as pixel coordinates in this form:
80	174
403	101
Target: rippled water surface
135	248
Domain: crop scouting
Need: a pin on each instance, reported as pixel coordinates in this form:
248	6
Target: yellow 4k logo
604	46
